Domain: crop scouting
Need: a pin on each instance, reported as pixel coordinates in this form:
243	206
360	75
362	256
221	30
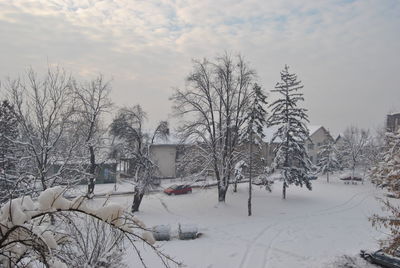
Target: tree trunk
222	193
43	182
284	190
327	177
235	186
92	171
137	199
250	174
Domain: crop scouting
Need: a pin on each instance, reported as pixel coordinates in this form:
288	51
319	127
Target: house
167	154
164	156
393	122
106	172
318	136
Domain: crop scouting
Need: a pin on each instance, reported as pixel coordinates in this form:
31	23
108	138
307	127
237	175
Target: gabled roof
312	129
270	131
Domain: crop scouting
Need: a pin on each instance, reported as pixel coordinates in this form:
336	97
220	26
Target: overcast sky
347	53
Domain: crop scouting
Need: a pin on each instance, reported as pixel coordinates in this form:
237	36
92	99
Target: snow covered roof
172	139
270	131
312	129
269	134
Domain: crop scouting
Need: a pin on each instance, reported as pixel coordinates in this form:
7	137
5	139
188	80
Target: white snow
53	198
17	211
110	213
308	229
148	237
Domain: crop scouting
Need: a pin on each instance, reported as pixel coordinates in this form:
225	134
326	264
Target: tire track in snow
344	203
252	242
342	207
268	249
328	211
166	207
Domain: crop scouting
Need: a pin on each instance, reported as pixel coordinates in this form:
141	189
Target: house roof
172	139
270	131
312	129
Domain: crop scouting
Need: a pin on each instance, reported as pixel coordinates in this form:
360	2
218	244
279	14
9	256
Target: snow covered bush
35	232
327	159
90	243
386	174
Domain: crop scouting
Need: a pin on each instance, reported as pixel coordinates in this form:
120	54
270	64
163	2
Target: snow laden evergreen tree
9	179
327	159
291	155
256	123
386	174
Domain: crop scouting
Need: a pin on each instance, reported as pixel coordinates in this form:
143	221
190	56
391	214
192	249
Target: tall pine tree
291	155
327	159
386	174
8	151
257	122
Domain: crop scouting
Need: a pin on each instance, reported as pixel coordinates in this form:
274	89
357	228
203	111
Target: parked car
178	189
312	177
381	258
351	179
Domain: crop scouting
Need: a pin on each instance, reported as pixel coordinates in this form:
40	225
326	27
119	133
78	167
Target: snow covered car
178	189
381	258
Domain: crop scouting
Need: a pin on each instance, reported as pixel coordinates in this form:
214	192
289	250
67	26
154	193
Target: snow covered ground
308	229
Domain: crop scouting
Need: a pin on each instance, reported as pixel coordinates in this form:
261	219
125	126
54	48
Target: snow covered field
309	229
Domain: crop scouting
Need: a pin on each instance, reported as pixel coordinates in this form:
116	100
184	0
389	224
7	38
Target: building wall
316	141
164	155
313	145
393	122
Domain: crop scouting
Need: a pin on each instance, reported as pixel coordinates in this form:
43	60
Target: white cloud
344	51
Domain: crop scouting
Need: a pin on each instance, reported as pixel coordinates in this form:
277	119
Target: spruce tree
386	174
257	122
327	159
8	150
291	155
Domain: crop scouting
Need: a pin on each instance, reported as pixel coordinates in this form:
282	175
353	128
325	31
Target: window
319	144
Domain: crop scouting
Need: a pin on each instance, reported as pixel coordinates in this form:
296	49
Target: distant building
164	156
318	136
105	172
167	154
393	122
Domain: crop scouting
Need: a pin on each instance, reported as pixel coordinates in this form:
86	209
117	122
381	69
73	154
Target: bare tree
128	127
353	147
213	110
43	108
93	101
91	242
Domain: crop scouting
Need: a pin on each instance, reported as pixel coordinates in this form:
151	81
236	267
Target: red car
178	189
